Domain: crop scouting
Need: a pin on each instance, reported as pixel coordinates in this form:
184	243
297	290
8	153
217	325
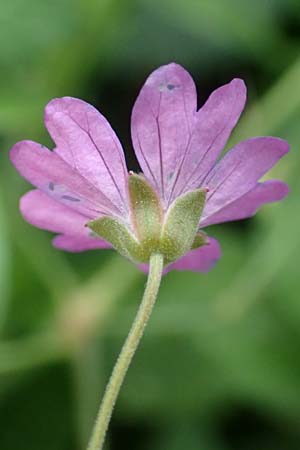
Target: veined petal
175	145
76	244
50	173
162	120
46	213
247	205
86	141
240	169
214	124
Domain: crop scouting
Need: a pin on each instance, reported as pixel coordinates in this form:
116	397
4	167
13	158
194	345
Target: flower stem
127	353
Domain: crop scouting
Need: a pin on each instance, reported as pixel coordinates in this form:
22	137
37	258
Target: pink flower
178	147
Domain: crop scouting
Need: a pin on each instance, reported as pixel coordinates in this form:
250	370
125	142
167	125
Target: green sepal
146	212
113	231
181	224
200	240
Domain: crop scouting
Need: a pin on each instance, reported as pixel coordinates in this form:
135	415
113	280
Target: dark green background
219	367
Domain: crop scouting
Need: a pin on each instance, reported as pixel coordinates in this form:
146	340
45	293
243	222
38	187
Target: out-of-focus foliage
219	367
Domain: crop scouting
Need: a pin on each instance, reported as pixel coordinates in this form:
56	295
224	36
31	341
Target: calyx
172	233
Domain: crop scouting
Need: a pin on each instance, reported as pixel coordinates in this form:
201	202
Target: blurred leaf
37	415
88	383
187	436
274	109
5	257
228	23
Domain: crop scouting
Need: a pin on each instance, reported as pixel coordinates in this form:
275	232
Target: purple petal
201	259
162	119
175	145
43	212
50	173
240	169
76	244
248	204
86	141
214	123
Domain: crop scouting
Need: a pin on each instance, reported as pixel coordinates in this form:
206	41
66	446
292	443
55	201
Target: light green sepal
113	231
181	224
146	212
200	240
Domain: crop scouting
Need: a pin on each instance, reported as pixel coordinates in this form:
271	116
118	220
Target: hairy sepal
115	232
148	233
201	239
146	213
179	233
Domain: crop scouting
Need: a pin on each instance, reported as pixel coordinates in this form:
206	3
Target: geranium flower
178	148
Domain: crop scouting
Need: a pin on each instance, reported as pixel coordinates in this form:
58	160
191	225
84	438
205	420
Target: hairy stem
127	353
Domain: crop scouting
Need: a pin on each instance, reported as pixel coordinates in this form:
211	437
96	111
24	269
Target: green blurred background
219	367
